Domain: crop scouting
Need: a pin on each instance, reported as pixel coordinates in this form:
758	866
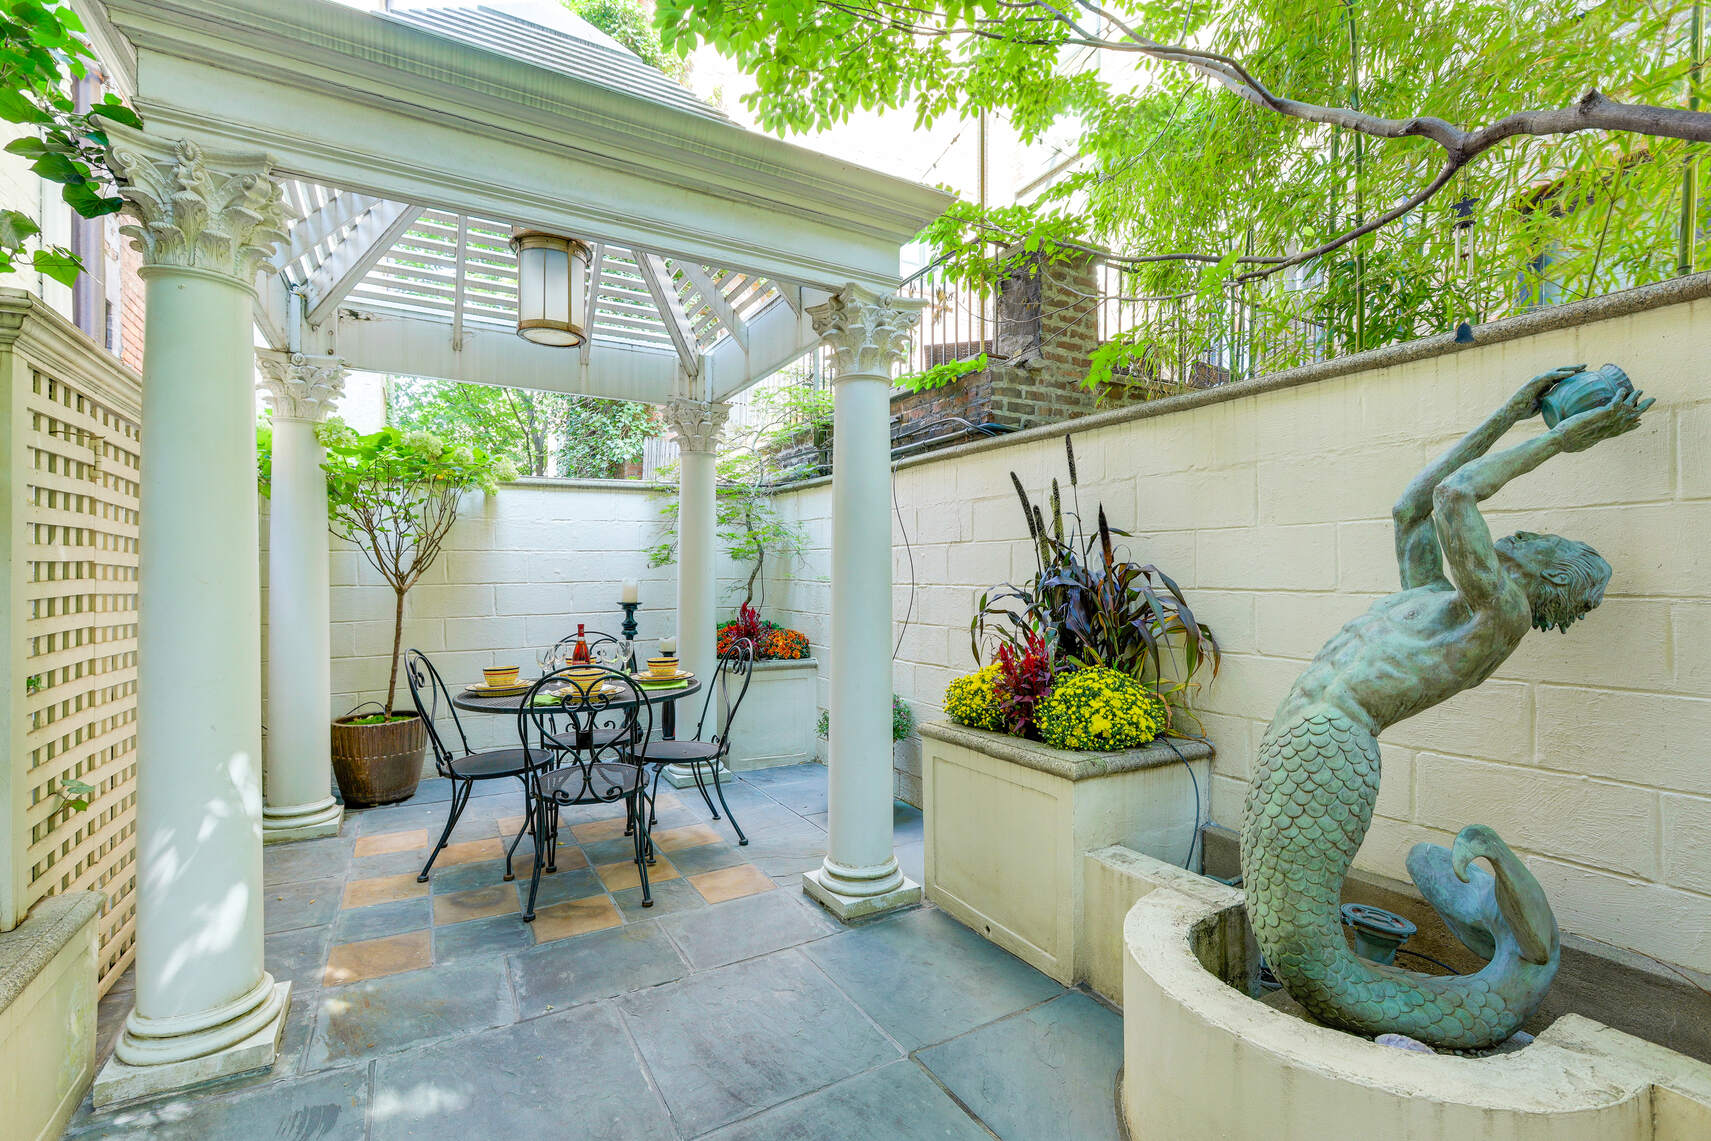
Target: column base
683	776
825	889
301	821
120	1081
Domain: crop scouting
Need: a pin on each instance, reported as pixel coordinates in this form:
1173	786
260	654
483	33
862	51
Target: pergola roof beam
355	256
666	297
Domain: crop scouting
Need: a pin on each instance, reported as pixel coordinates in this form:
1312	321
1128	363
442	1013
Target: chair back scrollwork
588	728
429	693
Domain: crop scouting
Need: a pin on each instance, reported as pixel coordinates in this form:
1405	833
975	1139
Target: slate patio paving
734	1009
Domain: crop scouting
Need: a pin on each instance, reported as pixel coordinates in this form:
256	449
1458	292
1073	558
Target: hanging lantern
552	288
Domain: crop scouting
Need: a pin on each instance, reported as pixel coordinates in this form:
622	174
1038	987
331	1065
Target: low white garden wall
519	571
1270	503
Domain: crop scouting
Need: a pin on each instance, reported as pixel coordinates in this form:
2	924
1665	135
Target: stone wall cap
27	949
787	664
1070	764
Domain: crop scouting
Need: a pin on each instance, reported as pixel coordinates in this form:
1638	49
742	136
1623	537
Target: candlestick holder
628	629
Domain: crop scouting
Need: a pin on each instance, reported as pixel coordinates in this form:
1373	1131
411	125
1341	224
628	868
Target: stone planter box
775	725
47	1015
1009	820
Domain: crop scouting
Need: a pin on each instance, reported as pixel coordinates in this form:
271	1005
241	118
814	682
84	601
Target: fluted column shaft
695	425
205	1006
867	334
297	799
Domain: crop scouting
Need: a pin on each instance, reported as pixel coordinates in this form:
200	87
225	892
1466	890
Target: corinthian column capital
695	424
867	332
218	212
300	387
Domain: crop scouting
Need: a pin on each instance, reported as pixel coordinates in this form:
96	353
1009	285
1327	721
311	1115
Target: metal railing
958	323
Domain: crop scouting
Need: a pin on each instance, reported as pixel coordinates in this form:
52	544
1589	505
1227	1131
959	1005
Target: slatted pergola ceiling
355	253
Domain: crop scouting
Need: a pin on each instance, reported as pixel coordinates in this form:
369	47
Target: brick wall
1047	329
131	306
1590	752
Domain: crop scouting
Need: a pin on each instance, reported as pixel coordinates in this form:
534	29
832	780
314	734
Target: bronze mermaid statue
1466	602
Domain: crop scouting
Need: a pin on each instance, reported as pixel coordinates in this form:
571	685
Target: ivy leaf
58	263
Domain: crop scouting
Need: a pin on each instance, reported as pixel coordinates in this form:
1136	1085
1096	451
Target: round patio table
664	700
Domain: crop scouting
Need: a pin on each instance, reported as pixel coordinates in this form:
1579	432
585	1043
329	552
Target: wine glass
606	655
547	658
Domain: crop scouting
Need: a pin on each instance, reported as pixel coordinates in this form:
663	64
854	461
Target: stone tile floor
735	1008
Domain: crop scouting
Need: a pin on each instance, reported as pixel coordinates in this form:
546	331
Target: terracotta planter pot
379	764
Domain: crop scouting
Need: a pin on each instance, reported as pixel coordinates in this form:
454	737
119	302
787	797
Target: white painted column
205	1006
297	781
695	425
867	334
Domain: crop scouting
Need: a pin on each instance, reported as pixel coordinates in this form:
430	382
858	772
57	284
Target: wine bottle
579	655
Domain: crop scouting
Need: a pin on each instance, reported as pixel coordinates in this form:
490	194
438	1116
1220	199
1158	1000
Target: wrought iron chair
429	692
736	669
590	732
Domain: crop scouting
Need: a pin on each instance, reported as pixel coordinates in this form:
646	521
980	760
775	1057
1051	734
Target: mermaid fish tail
1308	808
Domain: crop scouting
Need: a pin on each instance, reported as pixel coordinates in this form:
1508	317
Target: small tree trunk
397	641
754	575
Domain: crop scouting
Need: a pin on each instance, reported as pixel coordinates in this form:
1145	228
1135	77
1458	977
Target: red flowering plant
772	642
1024	679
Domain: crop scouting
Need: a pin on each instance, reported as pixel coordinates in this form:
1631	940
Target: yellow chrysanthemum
969	700
1100	709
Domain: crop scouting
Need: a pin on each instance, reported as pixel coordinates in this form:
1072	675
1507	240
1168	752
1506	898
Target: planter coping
1070	764
787	664
26	950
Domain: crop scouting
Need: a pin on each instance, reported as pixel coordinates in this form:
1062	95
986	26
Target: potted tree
394	496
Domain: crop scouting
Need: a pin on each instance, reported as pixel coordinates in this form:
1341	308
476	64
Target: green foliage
1092	606
746	519
940	375
902	720
972	700
1101	709
627	22
395	495
1173	164
75	794
42	55
590	438
603	436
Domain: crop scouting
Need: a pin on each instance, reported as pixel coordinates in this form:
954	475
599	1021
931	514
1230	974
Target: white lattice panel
77	468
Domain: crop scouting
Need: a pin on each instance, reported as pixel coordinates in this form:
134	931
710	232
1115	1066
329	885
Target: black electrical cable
908	548
1428	958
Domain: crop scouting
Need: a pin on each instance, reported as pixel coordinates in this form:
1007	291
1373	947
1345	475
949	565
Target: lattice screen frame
70	422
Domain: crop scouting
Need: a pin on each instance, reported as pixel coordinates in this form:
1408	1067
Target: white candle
668	645
627	592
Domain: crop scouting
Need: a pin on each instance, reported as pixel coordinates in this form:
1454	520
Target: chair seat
490	763
678	752
587	783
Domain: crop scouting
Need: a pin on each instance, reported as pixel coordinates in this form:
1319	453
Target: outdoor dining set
592	728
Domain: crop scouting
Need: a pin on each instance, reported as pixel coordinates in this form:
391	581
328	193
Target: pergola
340	185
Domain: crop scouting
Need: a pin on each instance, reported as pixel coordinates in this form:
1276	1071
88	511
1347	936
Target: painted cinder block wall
519	570
1270	503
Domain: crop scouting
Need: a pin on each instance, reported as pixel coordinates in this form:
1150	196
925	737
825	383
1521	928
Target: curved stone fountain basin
1204	1060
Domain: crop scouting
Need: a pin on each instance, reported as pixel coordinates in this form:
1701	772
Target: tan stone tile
578	917
693	836
731	883
666	800
372	958
386	842
617	877
457	906
570	858
599	829
382	889
511	825
470	851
